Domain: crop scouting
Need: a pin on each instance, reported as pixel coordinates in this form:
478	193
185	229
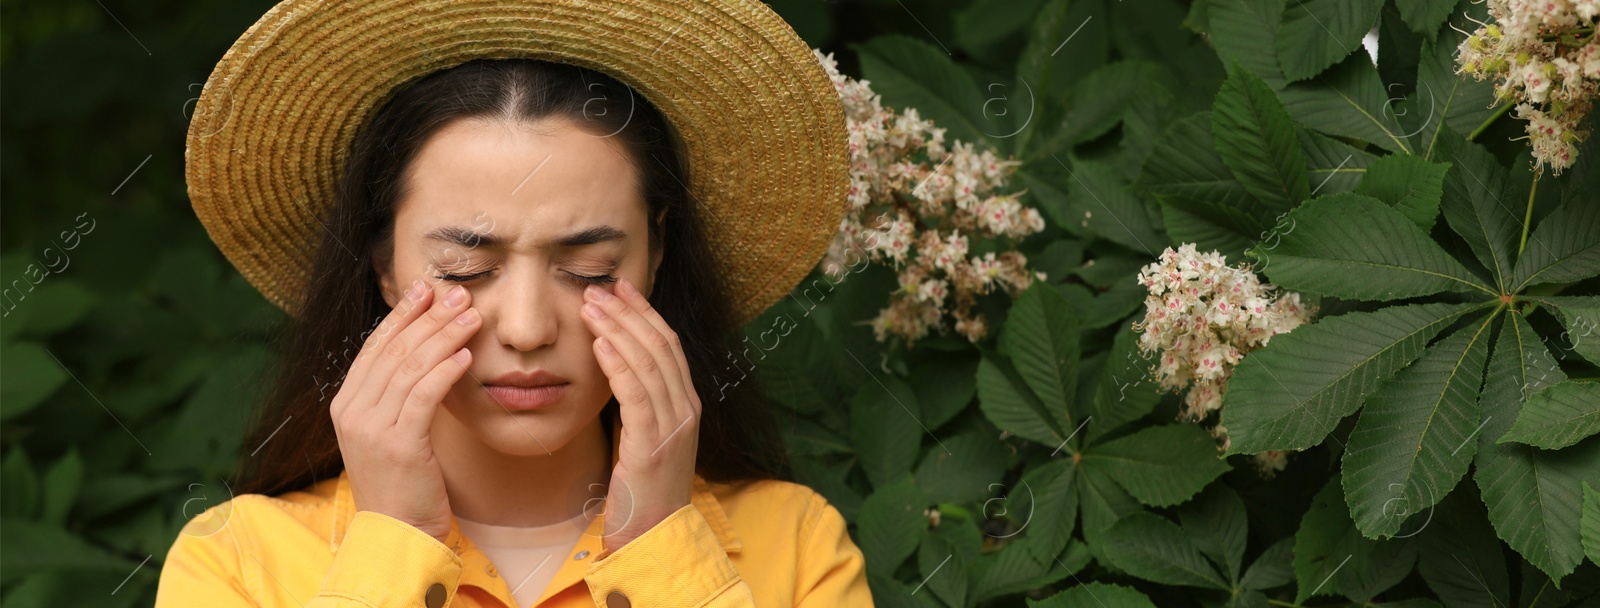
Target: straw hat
761	124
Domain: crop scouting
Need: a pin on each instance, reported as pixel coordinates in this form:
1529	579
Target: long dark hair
342	302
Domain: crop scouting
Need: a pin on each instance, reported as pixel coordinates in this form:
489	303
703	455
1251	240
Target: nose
523	314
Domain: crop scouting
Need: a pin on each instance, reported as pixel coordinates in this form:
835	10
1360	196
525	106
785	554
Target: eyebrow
468	238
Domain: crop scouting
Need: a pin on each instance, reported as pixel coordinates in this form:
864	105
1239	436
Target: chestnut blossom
1201	317
1268	463
923	208
1545	59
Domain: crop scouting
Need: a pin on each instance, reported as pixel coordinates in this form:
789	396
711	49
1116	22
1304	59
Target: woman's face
517	213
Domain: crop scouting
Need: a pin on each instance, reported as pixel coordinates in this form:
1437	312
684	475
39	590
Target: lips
526	379
521	398
520	390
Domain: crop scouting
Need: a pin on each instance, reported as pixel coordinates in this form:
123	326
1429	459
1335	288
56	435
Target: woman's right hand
383	412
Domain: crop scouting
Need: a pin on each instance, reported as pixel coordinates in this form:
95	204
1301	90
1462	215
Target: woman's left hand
649	375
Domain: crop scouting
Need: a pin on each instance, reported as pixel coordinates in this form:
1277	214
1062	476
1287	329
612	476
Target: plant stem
1527	216
1493	117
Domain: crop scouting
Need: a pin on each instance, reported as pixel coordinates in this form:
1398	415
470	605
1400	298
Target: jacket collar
701	497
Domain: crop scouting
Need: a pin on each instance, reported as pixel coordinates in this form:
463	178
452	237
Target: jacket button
435	597
618	600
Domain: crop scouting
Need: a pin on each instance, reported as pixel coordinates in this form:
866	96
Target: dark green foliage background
1056	467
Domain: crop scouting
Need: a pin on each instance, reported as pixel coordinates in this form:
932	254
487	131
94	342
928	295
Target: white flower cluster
926	204
1543	55
1267	464
1202	316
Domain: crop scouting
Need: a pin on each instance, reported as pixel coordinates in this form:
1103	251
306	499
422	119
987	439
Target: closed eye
592	280
581	279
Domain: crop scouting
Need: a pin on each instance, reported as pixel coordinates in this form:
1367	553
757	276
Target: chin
525	432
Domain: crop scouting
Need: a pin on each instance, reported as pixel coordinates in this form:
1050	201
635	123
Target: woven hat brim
761	124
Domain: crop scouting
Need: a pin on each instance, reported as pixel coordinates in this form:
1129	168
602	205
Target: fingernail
468	317
456	295
593	311
462	355
598	293
605	346
415	293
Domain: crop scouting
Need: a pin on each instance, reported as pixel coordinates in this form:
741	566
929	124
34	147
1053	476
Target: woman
556	264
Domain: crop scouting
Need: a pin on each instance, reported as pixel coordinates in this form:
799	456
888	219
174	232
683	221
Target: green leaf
1274	568
891	525
1185	163
944	569
1411	185
1457	101
1215	523
1147	116
20	485
1013	569
1041	338
1034	67
1332	165
1332	558
1246	31
1098	201
891	593
1046	503
1532	495
910	73
57	306
1007	402
944	386
1412	443
1348	101
1354	246
1478	204
1590	523
1316	34
30	375
1580	315
1291	393
1547	500
1459	556
1155	549
993	31
1124	393
1257	141
1102	502
1095	595
1425	16
885	430
32	547
1558	416
1160	466
1565	247
60	486
1099	102
1210	226
962	469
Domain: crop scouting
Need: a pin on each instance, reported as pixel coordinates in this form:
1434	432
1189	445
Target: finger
422	360
627	388
412	304
644	349
657	344
416	413
639	359
394	353
631	295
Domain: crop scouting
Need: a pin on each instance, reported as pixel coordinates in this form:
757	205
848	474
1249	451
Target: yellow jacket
769	543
